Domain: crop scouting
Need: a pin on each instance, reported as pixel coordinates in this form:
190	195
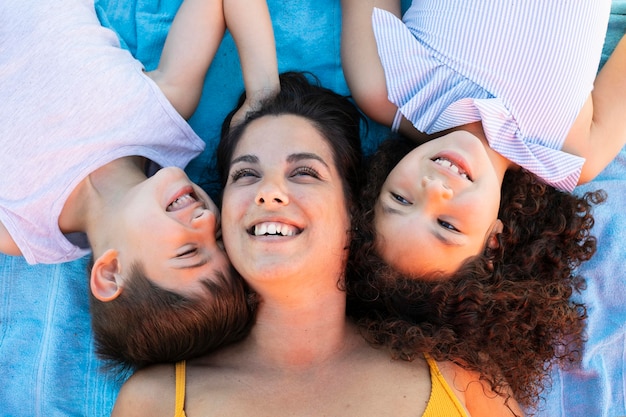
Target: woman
287	209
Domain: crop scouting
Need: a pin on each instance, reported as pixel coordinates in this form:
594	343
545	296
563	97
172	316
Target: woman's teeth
274	229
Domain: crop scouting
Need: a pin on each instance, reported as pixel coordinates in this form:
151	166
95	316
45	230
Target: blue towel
47	364
599	387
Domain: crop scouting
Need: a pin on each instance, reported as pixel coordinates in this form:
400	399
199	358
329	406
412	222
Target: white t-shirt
71	100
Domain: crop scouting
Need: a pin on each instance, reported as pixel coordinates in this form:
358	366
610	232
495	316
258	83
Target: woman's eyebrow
246	158
295	157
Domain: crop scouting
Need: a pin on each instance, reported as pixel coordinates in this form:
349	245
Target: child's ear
492	242
105	281
492	239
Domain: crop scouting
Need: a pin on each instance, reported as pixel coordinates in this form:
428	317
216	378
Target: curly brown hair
507	313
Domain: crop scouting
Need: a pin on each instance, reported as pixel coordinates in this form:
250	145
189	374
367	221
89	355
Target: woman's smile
274	229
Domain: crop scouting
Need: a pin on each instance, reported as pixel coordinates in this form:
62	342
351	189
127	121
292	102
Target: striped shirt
523	68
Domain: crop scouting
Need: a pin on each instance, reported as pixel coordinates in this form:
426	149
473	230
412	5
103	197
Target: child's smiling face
438	206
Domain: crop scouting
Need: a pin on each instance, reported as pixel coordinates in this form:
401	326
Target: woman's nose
271	193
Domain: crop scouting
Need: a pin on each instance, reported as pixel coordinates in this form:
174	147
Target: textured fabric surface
598	388
46	357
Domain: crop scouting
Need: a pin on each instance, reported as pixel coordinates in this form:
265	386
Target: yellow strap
443	400
180	389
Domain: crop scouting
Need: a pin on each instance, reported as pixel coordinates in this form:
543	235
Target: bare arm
361	64
250	24
193	40
7	244
191	44
599	132
359	57
148	393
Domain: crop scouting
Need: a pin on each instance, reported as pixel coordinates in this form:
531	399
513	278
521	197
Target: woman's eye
241	173
308	171
447	225
400	199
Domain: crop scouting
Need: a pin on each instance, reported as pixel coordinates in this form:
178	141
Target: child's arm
359	58
250	24
7	244
361	64
191	44
193	40
599	132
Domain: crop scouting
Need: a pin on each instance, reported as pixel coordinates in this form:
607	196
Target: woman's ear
492	239
105	281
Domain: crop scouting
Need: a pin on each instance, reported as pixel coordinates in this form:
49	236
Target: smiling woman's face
283	208
438	206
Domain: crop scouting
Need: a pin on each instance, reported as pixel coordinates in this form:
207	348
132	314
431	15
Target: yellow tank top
442	401
181	368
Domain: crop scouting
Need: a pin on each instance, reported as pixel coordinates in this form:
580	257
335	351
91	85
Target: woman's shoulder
476	394
148	392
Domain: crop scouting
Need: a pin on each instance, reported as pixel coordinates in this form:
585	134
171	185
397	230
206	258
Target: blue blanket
47	364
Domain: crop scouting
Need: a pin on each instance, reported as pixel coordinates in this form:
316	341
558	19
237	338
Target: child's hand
240	115
252	104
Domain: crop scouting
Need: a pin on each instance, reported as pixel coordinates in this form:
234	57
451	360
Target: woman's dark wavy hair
507	314
147	324
336	118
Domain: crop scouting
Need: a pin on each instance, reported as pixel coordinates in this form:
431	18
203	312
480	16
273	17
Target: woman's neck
302	334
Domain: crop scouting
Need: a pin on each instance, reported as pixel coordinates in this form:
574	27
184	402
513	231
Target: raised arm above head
193	40
250	24
191	44
362	67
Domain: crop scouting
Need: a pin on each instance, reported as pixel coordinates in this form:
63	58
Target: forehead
282	134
